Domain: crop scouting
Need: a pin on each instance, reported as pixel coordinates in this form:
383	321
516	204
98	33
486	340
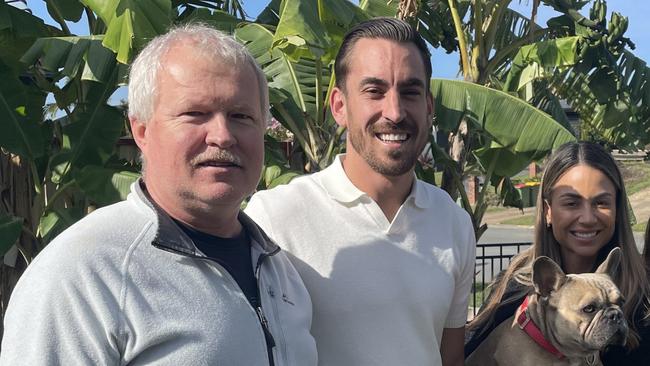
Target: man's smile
393	137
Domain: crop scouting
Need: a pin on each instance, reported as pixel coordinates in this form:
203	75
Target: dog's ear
547	276
611	263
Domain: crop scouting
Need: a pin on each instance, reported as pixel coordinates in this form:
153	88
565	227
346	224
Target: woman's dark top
618	355
504	311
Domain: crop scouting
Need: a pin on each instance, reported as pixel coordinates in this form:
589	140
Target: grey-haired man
176	274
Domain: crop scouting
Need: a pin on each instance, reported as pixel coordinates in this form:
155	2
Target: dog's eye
589	309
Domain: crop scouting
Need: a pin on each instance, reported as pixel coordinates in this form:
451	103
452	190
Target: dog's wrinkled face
588	312
583	311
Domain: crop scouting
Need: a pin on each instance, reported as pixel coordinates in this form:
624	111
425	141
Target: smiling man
388	259
176	274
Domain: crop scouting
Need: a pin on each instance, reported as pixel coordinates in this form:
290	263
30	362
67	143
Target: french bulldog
568	320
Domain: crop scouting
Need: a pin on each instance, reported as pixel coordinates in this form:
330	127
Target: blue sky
446	66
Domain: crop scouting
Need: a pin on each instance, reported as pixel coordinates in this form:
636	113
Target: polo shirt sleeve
464	274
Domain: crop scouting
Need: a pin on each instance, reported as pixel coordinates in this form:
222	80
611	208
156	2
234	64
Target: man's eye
193	113
373	91
242	116
412	92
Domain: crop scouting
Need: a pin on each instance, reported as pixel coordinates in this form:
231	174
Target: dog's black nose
614	315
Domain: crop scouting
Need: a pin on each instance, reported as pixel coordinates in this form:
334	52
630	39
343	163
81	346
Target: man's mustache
388	127
216	156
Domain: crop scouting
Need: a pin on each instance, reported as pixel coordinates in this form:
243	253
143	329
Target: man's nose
393	107
219	132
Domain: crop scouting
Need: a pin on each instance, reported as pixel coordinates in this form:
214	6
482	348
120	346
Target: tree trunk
16	198
458	147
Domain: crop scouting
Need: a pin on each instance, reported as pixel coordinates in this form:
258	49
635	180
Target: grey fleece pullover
125	286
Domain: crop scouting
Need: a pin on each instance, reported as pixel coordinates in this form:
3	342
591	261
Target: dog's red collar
529	326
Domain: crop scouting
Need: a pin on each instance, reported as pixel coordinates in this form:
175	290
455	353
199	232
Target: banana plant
595	73
296	52
510	132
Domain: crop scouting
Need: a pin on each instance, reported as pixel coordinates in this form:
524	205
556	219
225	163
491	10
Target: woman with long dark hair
582	213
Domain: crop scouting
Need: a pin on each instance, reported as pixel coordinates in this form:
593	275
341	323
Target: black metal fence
490	260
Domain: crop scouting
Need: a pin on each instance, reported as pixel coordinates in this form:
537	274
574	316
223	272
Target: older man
387	259
176	274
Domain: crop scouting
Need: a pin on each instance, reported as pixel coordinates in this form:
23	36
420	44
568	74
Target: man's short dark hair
380	28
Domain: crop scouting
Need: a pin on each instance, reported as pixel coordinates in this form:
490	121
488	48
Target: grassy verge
525	220
496	209
636	176
479	291
641	227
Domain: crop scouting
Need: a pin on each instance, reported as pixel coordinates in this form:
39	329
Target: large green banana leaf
519	132
105	185
300	32
217	19
436	26
562	52
294	77
379	8
18	30
131	23
269	15
20	129
62	10
72	55
293	84
612	99
10	228
94	130
90	132
314	29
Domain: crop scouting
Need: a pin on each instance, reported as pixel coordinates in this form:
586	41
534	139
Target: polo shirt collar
340	188
337	184
420	195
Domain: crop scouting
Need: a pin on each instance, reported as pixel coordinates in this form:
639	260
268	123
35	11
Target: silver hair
209	42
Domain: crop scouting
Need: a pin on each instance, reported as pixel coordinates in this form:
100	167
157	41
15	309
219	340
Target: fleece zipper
268	337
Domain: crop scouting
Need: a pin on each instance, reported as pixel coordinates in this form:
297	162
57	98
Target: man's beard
401	162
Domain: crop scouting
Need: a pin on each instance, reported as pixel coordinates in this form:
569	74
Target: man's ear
337	106
138	130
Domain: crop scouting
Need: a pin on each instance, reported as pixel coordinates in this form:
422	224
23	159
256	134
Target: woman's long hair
632	278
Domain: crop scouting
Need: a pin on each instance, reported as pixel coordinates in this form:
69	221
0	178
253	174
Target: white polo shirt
382	291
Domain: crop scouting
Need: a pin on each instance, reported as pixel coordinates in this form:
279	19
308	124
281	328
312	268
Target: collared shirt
382	291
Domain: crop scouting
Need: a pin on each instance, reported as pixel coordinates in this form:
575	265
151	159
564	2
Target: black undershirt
234	254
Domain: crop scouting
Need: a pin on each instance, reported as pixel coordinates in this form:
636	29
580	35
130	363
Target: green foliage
10	228
593	71
21	132
509	125
130	23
